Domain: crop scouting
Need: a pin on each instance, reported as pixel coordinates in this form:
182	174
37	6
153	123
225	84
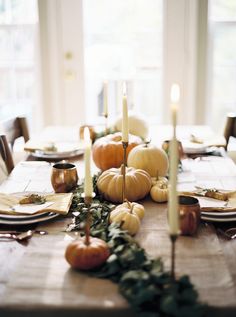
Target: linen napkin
58	203
52	147
213	204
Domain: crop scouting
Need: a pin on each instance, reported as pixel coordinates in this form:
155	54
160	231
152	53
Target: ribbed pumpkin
149	158
136	208
127	216
138	184
87	255
159	190
108	150
137	125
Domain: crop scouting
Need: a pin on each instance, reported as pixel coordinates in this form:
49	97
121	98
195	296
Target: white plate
215	219
24	217
218	214
51	215
57	155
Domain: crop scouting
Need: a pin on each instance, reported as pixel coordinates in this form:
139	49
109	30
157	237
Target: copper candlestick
173	238
88	201
106	123
125	145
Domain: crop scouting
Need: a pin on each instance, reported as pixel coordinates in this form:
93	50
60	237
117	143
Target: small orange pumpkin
86	254
108	150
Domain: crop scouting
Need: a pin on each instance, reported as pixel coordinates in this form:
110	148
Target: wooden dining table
35	278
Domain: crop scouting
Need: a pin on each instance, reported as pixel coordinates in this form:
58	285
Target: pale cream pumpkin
128	218
110	184
159	191
136	208
137	125
149	158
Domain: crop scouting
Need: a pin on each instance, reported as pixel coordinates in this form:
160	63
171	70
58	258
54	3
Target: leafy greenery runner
142	281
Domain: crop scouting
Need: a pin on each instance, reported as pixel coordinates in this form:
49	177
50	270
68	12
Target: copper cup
64	177
166	145
91	132
189	210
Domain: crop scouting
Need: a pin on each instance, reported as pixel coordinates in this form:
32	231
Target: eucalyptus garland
148	288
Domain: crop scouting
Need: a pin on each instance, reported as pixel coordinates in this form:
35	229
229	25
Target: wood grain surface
35	279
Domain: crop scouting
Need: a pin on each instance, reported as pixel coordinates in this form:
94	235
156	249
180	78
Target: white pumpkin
159	191
149	158
136	208
137	125
129	219
160	179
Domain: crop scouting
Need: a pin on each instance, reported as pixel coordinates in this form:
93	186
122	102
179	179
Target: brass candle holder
88	201
125	145
105	115
173	239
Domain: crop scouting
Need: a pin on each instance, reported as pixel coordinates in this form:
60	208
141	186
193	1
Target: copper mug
166	145
189	210
64	177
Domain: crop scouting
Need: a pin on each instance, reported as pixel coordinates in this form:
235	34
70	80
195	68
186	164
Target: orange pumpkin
108	150
86	254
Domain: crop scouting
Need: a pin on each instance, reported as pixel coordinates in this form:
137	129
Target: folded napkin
51	147
58	203
214	204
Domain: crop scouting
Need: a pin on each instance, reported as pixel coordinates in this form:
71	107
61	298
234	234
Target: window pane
223	56
23	44
24	84
123	42
24	11
5	85
5	45
18	20
222	9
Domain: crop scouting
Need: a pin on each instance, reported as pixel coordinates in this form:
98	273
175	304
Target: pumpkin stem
147	141
128	203
131	210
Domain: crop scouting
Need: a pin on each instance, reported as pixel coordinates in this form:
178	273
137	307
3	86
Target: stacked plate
217	216
26	219
63	151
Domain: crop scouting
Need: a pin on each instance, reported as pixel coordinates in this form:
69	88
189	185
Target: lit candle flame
175	93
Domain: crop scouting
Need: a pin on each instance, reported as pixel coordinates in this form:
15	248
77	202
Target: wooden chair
15	128
230	128
6	153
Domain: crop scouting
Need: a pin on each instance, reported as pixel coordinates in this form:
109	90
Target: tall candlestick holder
173	239
105	115
88	202
125	145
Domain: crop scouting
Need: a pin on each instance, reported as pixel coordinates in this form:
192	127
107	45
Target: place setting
31	207
54	150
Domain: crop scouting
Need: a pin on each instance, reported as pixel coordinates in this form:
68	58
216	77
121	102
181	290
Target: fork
18	237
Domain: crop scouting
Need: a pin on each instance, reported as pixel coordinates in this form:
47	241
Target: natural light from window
222	59
123	42
18	21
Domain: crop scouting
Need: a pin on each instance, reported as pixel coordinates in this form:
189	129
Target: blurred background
56	55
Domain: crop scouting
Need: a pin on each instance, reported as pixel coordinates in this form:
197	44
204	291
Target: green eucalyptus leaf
143	281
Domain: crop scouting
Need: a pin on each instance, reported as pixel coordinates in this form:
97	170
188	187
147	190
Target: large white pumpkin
137	125
149	158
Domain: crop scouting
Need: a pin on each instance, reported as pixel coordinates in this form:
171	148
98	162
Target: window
222	59
123	42
18	27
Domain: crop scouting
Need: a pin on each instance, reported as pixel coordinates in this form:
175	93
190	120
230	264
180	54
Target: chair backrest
230	127
14	128
6	153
